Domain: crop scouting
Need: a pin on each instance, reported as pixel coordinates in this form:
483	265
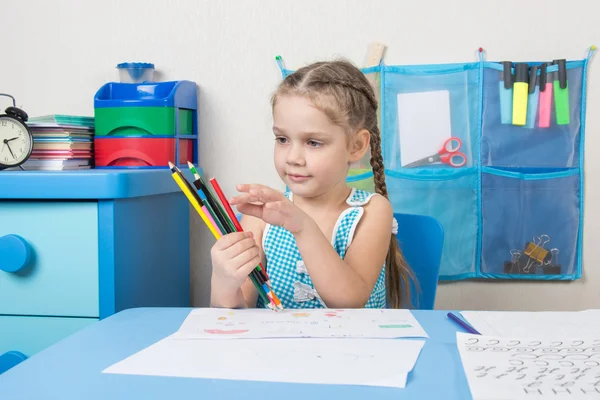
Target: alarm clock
16	140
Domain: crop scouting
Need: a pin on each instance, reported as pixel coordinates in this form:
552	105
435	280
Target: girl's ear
359	144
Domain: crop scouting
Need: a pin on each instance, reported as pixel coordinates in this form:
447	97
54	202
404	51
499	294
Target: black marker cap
562	72
521	72
506	76
543	76
533	78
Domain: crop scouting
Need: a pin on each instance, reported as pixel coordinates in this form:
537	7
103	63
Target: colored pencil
230	222
212	217
212	220
192	198
213	213
229	210
264	291
201	185
195	200
225	217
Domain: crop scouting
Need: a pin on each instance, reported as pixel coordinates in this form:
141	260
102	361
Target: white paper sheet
215	323
372	362
499	368
423	124
535	324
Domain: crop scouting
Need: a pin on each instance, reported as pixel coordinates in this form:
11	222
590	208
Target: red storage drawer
141	151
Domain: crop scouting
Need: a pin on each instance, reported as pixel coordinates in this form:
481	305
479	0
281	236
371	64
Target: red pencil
226	204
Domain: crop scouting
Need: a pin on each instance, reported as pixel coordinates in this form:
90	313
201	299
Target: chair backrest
421	239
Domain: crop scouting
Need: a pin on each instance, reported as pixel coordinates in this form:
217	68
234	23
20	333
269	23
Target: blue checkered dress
287	272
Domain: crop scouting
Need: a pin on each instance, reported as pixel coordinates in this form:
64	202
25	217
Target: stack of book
61	142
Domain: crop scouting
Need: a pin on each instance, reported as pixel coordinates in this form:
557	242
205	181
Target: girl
310	241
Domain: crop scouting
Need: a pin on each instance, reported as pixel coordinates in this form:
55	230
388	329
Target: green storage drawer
142	121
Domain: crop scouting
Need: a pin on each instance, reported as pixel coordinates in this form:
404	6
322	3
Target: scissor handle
452	145
455	159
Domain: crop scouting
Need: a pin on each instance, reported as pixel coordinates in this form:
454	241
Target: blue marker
534	96
505	89
463	324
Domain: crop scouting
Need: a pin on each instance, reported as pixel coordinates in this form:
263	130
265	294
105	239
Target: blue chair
421	239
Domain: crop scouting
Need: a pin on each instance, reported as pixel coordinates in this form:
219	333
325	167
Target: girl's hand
233	256
273	207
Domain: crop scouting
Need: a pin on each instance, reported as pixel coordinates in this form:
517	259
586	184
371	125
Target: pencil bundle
221	220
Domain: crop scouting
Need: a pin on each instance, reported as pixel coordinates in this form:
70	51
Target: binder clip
536	253
536	250
534	256
552	267
517	264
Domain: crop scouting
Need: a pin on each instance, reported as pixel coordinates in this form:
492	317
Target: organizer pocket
451	198
551	136
525	217
423	106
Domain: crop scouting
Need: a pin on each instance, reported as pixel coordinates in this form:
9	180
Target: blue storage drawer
61	278
22	337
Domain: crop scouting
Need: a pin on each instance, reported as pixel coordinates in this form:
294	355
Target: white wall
56	54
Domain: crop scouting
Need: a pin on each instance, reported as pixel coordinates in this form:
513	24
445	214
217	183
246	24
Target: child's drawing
318	323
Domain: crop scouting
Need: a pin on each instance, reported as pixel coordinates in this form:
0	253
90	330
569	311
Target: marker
534	94
506	95
520	93
545	96
463	324
561	94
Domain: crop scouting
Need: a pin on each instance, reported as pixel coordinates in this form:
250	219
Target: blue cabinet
76	247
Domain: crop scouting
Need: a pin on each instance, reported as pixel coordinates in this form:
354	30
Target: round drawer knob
10	359
15	253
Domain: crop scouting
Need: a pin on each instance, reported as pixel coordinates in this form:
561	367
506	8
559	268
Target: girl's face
311	153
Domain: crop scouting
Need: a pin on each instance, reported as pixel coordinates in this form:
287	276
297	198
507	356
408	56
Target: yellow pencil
193	200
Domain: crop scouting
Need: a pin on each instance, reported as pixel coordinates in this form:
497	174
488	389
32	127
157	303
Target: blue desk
71	369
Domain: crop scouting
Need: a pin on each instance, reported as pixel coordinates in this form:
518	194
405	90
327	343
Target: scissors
448	154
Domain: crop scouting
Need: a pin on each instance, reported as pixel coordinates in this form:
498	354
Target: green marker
561	94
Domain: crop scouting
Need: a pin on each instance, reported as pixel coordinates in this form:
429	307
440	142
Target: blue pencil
462	323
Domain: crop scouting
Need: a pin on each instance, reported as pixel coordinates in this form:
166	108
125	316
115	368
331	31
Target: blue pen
462	323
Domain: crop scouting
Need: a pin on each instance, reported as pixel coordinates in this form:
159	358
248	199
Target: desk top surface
71	369
88	184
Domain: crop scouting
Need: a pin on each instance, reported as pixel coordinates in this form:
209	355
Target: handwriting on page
525	368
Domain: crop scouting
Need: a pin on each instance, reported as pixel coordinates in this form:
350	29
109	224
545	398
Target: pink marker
545	97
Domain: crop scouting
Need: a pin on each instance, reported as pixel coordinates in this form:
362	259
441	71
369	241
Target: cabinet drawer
61	278
29	335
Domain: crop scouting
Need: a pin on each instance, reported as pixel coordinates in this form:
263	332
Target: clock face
15	142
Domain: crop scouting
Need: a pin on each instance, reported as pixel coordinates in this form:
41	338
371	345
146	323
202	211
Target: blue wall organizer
515	210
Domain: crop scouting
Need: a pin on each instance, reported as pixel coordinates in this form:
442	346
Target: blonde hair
342	92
